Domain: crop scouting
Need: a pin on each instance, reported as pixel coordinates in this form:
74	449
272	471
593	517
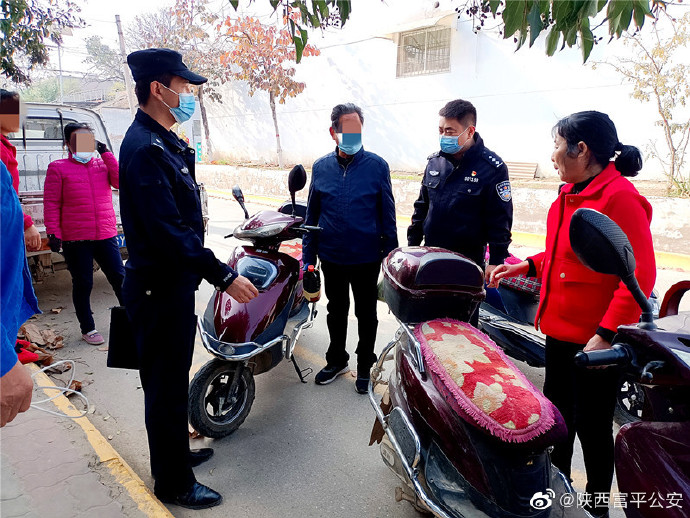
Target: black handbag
122	347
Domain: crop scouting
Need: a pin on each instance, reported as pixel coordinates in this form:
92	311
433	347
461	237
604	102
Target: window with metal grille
424	51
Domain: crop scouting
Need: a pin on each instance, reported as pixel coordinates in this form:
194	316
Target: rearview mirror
237	194
297	179
601	245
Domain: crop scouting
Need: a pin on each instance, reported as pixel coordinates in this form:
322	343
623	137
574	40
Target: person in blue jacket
465	200
18	302
351	199
161	216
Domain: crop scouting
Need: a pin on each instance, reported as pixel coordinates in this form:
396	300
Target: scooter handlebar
307	228
617	355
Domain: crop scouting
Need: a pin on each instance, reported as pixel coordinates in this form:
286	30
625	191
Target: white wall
519	96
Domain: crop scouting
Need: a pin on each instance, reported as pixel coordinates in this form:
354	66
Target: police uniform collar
156	129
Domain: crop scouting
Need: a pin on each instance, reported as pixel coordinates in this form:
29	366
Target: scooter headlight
260	232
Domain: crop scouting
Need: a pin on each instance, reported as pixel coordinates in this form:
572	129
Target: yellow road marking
124	475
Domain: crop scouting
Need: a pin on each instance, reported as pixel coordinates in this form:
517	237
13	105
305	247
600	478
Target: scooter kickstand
302	373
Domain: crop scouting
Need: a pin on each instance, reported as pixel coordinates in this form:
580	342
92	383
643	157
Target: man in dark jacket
351	198
161	216
465	200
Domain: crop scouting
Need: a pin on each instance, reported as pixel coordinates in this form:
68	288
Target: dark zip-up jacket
465	205
354	206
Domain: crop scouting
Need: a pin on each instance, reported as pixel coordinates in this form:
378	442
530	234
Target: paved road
303	449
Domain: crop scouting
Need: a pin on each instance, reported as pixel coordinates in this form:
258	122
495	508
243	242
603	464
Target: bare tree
659	74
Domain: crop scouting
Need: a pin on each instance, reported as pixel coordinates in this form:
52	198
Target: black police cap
153	62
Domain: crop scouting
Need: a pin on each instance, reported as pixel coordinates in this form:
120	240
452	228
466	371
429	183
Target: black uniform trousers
586	398
79	256
164	326
363	278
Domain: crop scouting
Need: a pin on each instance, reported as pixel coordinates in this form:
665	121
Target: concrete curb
663	259
144	498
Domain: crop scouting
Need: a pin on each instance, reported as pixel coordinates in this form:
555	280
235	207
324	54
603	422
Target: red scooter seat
483	386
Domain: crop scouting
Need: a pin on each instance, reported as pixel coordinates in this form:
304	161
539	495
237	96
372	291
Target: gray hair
344	109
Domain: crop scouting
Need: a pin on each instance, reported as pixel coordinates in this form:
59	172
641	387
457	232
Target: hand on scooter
507	270
597	343
242	290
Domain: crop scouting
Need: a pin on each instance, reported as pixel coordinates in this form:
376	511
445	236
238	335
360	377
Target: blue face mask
83	157
450	144
185	110
350	143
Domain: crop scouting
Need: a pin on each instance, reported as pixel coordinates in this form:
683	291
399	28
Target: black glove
54	243
100	147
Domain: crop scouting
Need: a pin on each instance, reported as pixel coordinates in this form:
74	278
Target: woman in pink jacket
79	214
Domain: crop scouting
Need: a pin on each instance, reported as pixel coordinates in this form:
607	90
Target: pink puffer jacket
77	199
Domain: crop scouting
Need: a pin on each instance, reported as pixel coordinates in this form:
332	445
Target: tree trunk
204	122
272	100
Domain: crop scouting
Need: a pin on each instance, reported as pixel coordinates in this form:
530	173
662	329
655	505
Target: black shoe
362	385
198	497
200	456
329	373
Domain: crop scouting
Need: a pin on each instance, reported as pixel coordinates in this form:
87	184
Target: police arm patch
503	190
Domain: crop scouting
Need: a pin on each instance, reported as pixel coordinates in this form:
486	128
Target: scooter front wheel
220	398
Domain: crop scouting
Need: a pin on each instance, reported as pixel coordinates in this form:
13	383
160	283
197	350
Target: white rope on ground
61	391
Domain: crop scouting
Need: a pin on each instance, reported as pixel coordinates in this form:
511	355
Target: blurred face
454	128
9	116
349	124
573	167
82	141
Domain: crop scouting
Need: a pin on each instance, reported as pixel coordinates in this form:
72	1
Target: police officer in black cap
465	200
161	216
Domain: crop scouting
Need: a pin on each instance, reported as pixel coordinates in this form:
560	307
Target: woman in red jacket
580	309
10	123
79	214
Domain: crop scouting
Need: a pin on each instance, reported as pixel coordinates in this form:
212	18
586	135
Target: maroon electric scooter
452	421
251	338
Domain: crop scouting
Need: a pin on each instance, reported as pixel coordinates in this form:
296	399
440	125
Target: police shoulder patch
157	141
503	190
492	159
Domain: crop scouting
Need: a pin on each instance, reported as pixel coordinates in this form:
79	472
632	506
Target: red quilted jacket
574	300
77	199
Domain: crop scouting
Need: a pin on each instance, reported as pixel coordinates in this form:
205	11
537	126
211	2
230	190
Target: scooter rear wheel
629	402
216	407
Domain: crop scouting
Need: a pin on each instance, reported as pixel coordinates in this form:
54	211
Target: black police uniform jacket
465	204
160	207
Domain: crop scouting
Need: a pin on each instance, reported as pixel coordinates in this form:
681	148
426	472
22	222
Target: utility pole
125	68
62	98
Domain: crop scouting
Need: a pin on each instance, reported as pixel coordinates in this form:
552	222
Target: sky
99	16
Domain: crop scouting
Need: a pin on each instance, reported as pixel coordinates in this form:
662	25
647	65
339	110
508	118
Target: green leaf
535	23
562	11
235	3
299	47
570	35
513	17
344	8
494	5
552	41
625	19
322	8
587	41
641	10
